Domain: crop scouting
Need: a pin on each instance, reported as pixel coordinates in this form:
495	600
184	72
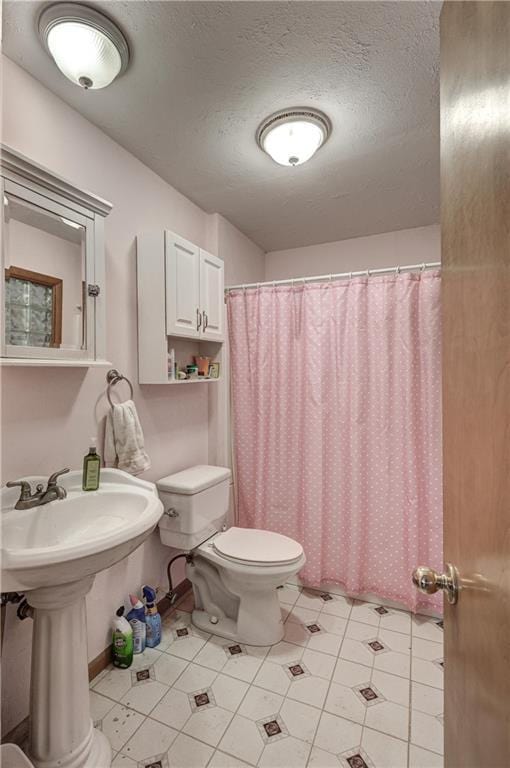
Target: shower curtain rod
339	275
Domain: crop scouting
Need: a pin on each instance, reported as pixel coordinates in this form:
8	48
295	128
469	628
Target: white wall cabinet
182	270
180	295
212	285
194	290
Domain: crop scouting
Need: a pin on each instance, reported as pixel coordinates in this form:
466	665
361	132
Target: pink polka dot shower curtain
336	415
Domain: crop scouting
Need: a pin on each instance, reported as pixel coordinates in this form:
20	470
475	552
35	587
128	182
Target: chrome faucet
42	495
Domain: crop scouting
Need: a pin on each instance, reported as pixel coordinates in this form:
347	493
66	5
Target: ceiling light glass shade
86	46
84	55
293	136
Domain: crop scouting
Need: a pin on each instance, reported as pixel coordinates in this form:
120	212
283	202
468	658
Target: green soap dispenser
91	468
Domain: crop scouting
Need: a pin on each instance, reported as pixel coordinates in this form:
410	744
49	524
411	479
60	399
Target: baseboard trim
19	734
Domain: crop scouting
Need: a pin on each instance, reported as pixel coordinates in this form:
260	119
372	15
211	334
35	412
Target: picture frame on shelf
214	370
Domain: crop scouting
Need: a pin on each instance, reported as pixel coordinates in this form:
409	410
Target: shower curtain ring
423	267
397	269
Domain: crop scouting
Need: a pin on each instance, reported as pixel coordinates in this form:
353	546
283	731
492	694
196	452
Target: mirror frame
34	184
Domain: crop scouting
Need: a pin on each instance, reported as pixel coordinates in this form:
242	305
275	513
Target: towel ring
113	377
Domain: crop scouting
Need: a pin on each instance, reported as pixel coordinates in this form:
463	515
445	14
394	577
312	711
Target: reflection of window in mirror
33	308
44	277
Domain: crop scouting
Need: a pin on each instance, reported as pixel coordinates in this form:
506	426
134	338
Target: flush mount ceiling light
293	136
87	47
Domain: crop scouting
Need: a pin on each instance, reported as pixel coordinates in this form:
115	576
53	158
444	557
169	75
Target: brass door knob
429	581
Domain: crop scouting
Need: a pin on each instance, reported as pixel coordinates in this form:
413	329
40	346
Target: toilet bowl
235	572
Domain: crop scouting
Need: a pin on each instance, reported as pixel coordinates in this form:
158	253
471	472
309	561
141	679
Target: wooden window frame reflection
55	283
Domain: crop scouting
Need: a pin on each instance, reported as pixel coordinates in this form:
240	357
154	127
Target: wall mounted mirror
53	267
45	278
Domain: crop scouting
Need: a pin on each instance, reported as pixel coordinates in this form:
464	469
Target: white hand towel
123	442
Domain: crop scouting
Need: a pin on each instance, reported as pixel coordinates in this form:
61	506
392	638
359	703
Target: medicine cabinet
53	273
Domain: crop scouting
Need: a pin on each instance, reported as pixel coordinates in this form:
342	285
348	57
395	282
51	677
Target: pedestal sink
52	553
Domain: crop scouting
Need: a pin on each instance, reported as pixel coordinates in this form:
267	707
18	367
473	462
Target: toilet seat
252	546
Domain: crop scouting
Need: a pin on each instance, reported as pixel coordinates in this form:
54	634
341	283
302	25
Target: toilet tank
197	502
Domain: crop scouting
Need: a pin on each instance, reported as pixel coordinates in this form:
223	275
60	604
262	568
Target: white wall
49	414
406	246
242	257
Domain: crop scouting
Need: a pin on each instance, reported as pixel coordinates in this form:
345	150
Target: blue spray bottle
152	617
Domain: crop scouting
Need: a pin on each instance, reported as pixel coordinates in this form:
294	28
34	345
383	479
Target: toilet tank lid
194	479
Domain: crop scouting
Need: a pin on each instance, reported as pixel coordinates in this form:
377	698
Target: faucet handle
52	480
26	490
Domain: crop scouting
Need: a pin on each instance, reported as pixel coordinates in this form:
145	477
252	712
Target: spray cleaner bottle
136	618
122	641
152	617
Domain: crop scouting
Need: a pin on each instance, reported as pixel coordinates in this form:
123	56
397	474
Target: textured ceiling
204	74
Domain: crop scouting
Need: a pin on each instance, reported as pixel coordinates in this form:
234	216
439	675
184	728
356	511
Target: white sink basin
75	537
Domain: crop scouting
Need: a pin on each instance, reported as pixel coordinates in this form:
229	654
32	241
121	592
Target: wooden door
212	296
475	227
183	315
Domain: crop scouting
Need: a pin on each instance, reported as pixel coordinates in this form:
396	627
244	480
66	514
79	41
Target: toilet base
240	596
226	628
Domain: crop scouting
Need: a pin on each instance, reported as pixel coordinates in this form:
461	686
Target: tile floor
352	685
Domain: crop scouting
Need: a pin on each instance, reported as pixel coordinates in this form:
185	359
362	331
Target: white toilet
235	573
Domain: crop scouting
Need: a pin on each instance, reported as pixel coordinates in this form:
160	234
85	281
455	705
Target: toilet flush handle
171	512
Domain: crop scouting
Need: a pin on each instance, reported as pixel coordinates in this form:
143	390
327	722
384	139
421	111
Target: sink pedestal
61	730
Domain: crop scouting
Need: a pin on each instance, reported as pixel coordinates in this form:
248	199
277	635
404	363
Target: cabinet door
183	317
211	296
